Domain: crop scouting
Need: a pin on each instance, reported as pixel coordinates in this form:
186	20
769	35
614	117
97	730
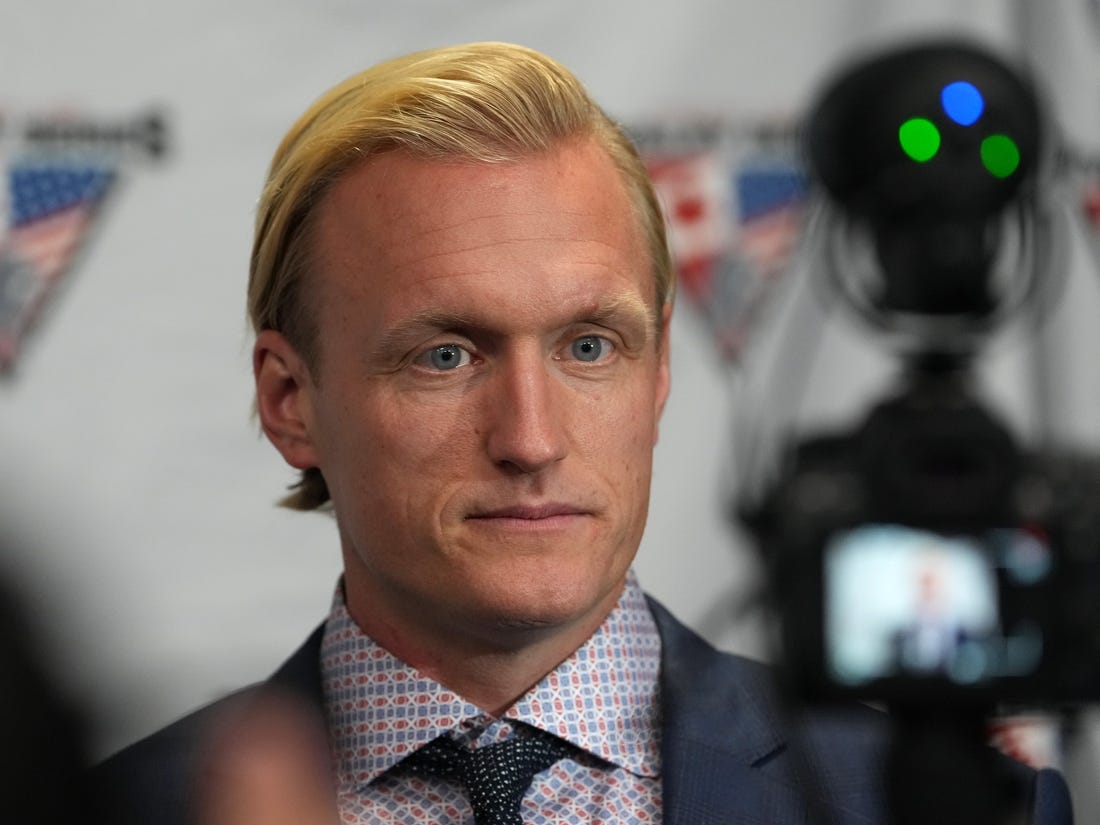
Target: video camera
926	558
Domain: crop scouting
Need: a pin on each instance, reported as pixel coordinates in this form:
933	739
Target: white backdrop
138	492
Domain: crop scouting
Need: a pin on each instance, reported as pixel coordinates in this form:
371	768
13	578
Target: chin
547	605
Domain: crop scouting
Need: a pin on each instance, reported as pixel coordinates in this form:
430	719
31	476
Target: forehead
399	232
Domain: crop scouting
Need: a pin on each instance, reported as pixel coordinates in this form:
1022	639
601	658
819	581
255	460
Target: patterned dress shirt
603	699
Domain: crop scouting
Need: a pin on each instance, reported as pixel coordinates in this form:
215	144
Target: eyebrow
419	323
629	305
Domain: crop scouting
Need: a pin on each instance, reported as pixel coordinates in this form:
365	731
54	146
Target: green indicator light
1000	155
920	139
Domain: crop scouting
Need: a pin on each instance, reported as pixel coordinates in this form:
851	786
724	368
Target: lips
531	512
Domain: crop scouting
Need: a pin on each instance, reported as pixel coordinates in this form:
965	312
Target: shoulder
153	779
725	710
719	698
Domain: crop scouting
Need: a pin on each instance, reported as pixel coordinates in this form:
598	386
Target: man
461	294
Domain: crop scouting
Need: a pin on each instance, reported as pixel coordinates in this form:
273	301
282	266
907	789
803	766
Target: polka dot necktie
495	776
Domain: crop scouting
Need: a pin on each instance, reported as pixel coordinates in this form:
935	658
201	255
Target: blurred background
136	495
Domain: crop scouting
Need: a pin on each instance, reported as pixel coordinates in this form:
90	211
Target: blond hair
487	102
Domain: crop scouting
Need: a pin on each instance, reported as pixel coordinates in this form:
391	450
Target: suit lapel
724	759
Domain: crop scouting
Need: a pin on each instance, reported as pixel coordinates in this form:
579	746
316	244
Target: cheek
618	437
392	467
412	457
425	438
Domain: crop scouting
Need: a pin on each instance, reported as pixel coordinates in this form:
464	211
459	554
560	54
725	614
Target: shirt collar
603	698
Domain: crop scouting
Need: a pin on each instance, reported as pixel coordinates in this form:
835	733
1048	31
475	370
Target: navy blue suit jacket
730	755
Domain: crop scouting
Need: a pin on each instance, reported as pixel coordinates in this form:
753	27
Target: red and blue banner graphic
57	175
735	201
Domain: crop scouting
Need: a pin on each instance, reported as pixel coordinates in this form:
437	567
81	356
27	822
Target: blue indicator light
963	102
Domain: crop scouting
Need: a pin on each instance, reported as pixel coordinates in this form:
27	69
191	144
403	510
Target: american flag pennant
771	197
735	216
52	205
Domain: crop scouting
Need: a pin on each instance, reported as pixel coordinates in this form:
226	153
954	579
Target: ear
664	372
284	404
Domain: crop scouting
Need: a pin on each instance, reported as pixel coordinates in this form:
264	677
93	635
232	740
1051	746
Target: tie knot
495	776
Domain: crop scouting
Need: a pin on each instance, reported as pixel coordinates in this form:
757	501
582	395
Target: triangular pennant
51	207
735	206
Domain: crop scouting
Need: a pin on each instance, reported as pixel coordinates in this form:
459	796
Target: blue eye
590	348
448	357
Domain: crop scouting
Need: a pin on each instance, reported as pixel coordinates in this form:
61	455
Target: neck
490	664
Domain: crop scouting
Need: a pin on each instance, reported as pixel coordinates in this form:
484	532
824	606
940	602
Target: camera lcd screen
908	603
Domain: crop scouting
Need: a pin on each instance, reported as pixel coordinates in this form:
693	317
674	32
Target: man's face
492	370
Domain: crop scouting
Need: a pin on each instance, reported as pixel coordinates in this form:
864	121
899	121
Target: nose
527	431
